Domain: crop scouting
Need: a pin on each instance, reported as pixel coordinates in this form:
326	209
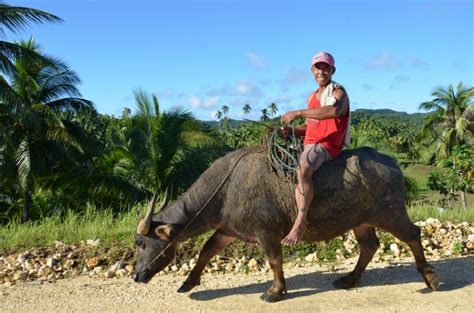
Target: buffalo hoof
431	280
186	287
345	282
271	297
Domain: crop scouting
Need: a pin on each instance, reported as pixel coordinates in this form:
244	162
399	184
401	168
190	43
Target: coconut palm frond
17	18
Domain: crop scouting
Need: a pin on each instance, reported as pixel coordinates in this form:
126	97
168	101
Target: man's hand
284	131
289	117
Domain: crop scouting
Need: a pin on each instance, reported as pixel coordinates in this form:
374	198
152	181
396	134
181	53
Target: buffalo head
152	239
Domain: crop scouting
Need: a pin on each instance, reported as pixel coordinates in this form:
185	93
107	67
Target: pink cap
324	57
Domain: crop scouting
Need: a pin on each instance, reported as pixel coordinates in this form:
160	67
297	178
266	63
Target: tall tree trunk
27	194
463	199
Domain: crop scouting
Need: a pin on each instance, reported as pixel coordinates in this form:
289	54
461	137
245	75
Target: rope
283	153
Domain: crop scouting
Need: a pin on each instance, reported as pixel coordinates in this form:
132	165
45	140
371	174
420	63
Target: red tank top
330	132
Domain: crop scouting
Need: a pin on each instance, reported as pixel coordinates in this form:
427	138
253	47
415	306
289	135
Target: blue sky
203	54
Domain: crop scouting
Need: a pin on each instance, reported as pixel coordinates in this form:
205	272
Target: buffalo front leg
275	259
368	244
216	243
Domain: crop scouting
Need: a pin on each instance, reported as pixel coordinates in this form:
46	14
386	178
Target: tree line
57	153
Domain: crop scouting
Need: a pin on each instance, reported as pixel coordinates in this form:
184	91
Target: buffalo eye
140	243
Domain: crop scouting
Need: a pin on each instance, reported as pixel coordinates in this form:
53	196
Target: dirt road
384	288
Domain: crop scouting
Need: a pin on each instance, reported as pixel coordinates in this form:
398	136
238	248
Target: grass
71	228
456	215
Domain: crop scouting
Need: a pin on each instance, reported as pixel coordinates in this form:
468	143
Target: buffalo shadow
454	273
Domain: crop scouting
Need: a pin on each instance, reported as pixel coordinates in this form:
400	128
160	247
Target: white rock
121	272
310	257
58	244
51	262
93	243
253	263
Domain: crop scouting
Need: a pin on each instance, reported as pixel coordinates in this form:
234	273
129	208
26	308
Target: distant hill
363	114
356	117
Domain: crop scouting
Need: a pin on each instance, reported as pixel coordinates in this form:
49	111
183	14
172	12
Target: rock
174	268
93	263
93	243
229	267
394	248
118	265
58	244
109	274
121	272
21	259
44	272
20	276
311	257
52	262
73	255
252	263
68	264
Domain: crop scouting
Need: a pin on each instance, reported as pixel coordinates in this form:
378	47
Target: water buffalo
242	198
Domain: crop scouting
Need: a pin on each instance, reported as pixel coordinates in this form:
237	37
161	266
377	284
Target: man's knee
306	172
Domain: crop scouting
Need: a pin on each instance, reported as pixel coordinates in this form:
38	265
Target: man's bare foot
295	235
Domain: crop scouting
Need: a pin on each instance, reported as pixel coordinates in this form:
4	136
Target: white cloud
383	61
194	102
255	61
210	102
241	88
294	76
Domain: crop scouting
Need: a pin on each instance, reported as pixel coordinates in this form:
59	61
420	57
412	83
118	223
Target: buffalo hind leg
368	244
406	231
216	243
275	259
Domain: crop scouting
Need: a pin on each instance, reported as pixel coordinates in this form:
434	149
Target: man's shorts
315	154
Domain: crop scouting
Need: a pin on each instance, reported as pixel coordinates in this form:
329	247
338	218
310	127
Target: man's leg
311	159
303	196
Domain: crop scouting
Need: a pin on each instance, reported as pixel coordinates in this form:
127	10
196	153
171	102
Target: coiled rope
283	152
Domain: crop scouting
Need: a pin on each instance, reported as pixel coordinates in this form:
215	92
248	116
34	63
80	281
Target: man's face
322	73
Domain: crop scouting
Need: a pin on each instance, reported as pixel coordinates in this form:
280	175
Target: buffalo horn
144	224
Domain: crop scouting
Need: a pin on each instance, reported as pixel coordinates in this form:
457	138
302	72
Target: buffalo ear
164	232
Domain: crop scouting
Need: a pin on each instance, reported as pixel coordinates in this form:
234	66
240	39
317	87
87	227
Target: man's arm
330	111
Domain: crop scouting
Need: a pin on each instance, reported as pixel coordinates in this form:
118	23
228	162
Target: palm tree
264	116
225	109
225	120
246	109
15	19
160	142
445	124
273	108
32	103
